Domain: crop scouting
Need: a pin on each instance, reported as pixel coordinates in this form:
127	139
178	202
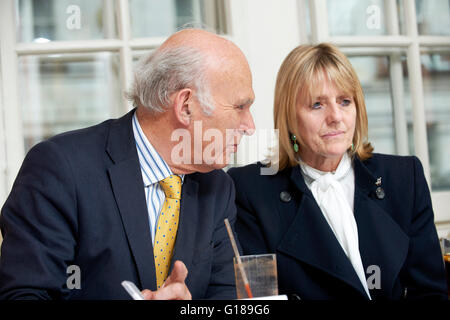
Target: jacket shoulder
254	177
94	135
391	163
84	135
250	169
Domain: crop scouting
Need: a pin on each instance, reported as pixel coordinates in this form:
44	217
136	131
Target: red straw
238	258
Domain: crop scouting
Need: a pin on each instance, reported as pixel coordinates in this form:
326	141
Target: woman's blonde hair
302	71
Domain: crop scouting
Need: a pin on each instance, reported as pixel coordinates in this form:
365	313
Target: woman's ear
183	106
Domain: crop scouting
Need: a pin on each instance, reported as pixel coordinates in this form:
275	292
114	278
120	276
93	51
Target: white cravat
329	193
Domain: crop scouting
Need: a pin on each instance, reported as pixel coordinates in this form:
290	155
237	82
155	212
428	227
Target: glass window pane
64	20
436	85
433	17
65	92
156	18
356	17
373	73
408	106
137	54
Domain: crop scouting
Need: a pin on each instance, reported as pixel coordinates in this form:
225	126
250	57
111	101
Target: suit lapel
185	242
311	240
382	243
128	189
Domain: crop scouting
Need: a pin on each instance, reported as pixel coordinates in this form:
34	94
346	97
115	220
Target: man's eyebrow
245	102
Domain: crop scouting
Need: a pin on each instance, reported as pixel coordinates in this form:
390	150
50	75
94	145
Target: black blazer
79	200
396	233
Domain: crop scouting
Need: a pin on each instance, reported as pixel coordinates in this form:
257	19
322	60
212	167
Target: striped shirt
153	169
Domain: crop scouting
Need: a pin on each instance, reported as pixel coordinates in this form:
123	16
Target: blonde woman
345	223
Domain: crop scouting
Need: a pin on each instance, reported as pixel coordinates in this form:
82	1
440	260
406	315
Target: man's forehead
231	74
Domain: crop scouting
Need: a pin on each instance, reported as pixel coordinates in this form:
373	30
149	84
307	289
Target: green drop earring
294	140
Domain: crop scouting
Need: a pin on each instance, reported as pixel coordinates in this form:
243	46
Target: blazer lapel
382	243
128	189
311	240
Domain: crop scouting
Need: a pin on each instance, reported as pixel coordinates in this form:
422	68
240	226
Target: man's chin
208	167
218	166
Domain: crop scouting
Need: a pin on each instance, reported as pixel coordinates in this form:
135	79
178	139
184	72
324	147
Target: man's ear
183	105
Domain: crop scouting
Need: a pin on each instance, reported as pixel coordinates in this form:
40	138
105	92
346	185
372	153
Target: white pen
134	292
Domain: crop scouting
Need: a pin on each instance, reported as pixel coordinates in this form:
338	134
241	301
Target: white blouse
347	182
334	193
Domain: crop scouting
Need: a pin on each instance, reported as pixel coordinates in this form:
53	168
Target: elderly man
137	198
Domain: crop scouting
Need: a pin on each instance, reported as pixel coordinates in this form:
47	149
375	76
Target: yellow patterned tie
166	231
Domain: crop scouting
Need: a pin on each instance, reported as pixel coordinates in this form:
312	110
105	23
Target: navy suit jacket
79	200
396	233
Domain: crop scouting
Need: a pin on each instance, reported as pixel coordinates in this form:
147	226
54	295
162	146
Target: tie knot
325	181
171	186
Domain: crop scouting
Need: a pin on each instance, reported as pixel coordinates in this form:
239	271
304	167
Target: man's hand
173	288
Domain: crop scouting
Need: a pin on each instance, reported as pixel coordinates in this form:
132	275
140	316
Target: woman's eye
316	105
346	102
241	107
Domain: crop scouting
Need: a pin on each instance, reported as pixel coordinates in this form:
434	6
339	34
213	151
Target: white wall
266	31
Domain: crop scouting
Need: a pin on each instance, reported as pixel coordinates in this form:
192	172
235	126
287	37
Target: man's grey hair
163	72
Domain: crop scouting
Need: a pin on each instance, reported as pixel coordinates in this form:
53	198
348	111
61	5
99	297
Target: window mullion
434	41
400	122
108	18
319	20
11	111
396	76
59	47
126	56
372	41
416	88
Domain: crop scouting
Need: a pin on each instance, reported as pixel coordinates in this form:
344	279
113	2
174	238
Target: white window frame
11	51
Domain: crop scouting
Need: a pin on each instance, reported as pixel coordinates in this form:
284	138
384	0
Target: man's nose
247	124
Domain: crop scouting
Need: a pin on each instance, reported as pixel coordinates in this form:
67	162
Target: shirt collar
153	166
310	174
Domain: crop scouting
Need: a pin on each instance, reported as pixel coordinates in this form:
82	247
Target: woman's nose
334	112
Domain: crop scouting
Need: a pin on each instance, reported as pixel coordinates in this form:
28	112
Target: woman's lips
332	134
